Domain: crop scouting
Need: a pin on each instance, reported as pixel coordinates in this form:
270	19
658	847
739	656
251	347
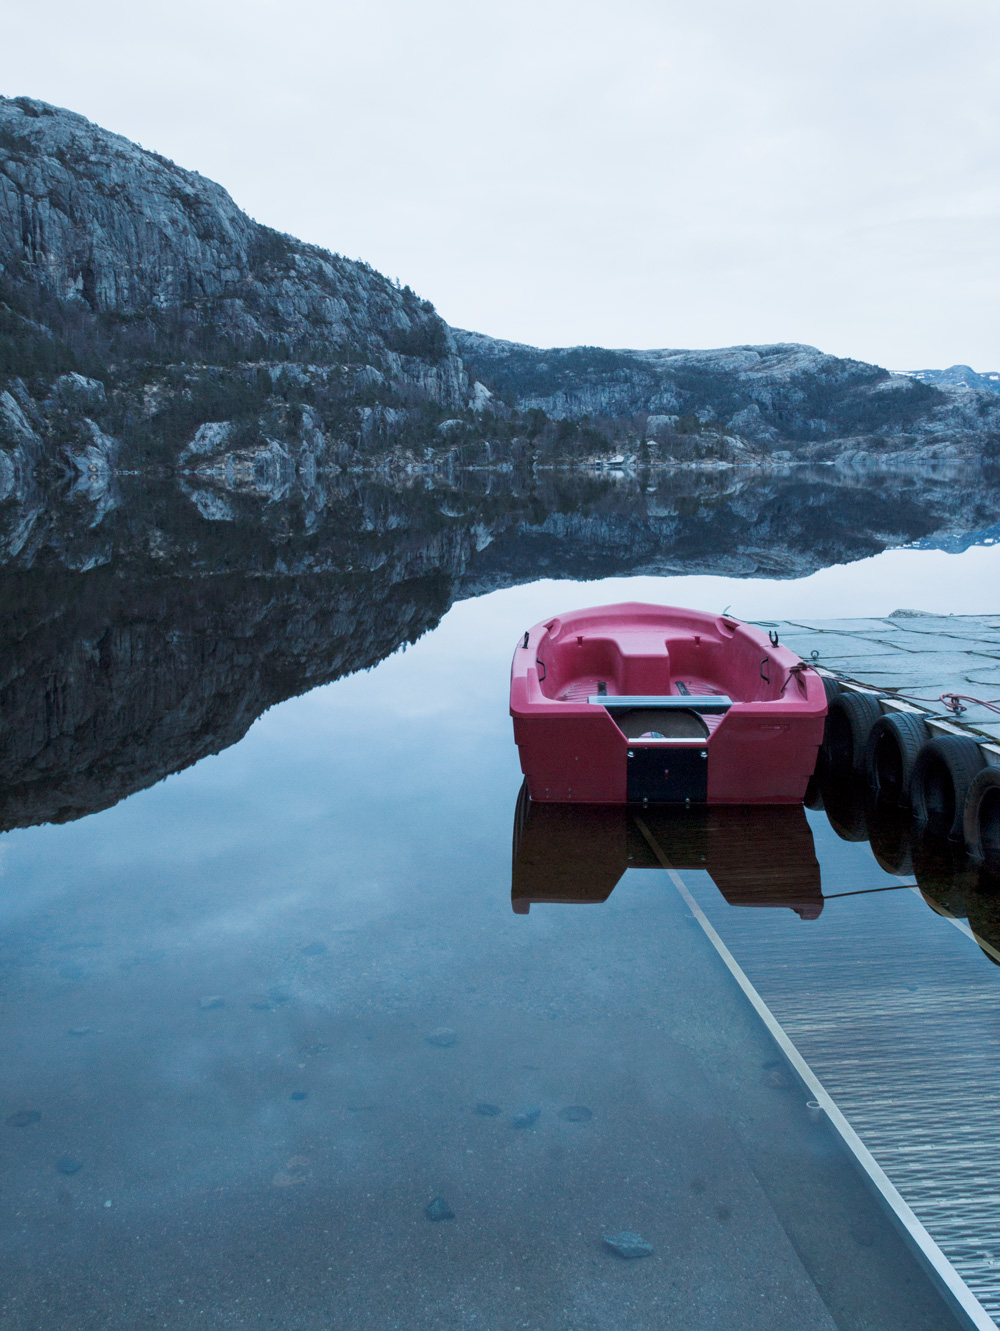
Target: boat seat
645	662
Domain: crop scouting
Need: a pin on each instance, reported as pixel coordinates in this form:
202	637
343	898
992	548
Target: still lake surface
259	1015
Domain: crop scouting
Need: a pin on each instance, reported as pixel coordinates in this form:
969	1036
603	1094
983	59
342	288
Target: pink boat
650	704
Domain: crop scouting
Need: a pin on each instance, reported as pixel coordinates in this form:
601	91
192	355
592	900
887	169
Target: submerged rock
527	1118
627	1244
444	1037
576	1113
67	1165
286	1179
23	1118
439	1209
299	1095
487	1111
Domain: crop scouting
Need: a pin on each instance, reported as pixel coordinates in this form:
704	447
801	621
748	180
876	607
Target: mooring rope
955	702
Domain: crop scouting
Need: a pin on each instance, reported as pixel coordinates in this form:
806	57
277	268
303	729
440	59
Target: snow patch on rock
211	437
212	506
481	397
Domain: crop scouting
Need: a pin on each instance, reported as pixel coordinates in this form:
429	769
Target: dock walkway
915	657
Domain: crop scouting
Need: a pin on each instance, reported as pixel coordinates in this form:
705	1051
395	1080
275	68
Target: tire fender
942	776
981	819
895	740
849	720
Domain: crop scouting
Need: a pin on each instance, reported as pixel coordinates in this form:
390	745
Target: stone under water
627	1244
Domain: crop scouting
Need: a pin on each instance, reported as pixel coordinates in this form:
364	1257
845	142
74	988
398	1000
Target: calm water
258	1015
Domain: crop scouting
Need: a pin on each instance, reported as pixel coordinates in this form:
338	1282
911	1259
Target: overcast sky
646	173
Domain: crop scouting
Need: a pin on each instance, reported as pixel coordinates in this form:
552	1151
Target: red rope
953	701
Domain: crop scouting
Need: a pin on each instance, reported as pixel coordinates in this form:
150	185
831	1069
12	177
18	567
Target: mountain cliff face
139	304
146	322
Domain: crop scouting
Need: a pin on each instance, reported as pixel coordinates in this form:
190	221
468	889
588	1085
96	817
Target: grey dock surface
901	1030
913	656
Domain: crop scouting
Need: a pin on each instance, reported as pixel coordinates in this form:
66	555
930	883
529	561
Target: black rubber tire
844	802
981	819
890	834
983	904
895	740
831	687
849	720
945	875
939	787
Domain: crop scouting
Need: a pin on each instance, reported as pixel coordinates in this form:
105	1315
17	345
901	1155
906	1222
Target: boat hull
582	684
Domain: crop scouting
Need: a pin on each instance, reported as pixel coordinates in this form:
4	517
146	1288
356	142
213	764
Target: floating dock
913	658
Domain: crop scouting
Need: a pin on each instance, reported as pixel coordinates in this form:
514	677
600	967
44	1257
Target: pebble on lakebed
23	1118
527	1118
444	1037
576	1114
627	1244
439	1209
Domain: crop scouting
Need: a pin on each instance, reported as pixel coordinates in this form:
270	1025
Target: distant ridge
958	376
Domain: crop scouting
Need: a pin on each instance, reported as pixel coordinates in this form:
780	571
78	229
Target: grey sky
562	171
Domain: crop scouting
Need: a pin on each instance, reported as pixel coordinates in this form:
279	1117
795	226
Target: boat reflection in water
577	854
756	856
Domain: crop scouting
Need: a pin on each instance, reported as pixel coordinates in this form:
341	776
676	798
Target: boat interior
615	660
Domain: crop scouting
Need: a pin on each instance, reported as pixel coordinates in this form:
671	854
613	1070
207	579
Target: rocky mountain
147	323
959	376
146	320
739	404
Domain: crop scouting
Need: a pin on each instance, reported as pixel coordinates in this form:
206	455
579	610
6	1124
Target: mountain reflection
148	623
